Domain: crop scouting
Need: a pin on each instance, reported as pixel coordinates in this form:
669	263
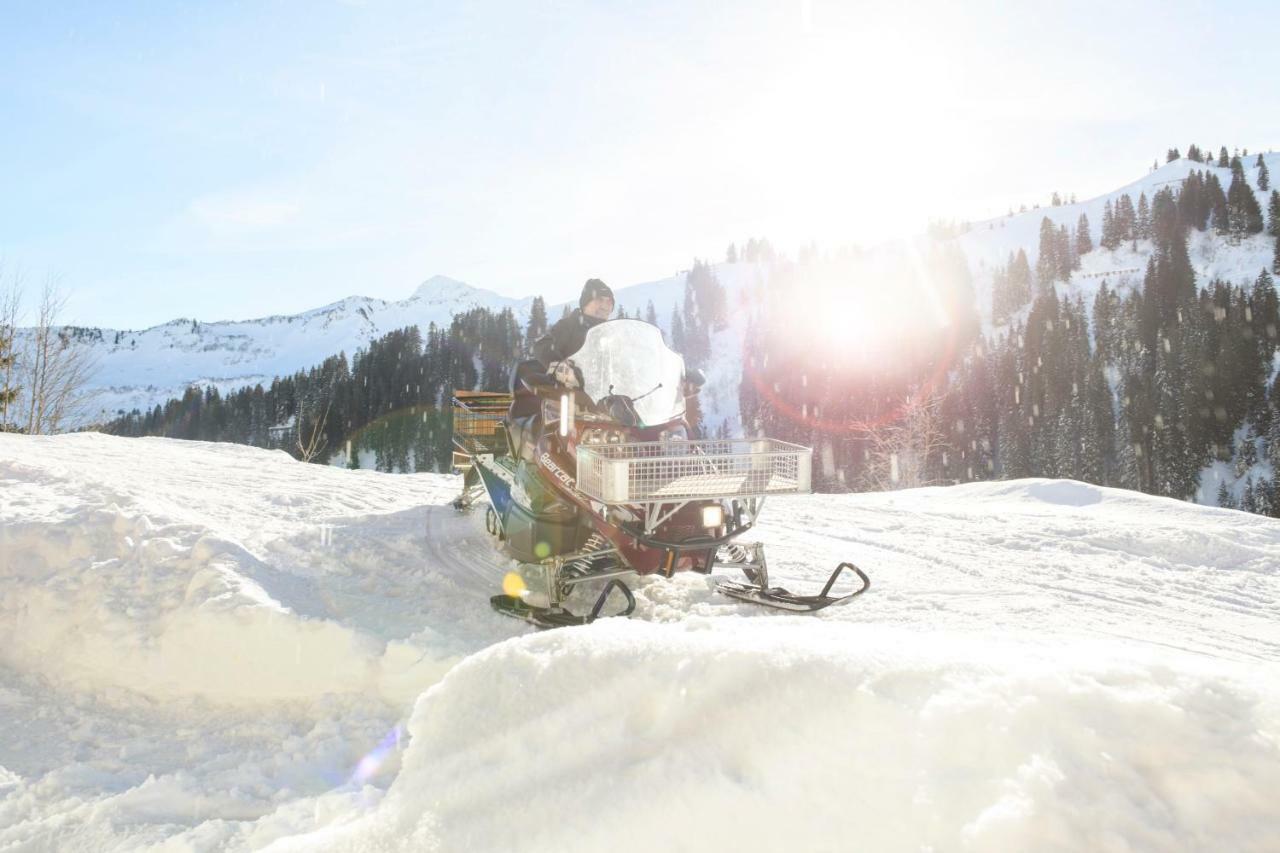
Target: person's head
597	300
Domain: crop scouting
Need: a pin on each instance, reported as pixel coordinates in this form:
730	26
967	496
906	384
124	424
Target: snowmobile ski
558	617
758	590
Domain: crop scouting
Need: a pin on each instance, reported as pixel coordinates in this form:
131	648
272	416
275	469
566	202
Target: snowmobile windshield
629	357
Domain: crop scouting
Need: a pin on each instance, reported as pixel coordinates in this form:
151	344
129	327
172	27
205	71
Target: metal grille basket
477	421
691	470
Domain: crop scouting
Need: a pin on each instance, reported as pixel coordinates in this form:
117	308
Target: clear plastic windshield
629	357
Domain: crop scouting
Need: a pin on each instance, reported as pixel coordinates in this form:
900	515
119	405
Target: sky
239	159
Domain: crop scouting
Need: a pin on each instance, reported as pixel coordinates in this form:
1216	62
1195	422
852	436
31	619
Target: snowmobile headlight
712	516
566	414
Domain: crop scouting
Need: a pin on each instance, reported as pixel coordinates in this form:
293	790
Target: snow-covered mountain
138	369
214	647
989	243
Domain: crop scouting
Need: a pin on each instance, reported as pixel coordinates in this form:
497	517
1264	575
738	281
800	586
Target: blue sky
230	160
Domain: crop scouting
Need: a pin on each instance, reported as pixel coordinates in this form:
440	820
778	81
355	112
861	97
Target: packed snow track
214	647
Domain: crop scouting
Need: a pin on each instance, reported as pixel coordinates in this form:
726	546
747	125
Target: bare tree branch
57	367
902	452
317	440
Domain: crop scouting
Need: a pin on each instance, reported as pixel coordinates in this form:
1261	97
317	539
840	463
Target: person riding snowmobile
550	371
595	305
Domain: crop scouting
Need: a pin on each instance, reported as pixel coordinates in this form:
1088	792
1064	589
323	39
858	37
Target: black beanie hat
594	289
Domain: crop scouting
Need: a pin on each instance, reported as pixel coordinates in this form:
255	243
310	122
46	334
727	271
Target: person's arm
545	349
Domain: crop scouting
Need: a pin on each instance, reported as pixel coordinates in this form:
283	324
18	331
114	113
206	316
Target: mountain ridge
142	368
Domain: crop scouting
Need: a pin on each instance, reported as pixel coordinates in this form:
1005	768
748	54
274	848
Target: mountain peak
439	286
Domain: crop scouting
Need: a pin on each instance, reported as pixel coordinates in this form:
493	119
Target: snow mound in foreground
114	576
737	734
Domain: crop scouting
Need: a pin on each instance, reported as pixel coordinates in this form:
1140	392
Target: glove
564	373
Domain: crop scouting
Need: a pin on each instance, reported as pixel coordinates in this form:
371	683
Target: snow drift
217	647
703	736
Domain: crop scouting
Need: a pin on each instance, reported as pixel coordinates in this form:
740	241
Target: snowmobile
602	481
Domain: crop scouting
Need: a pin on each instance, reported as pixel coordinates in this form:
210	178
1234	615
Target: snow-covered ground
215	647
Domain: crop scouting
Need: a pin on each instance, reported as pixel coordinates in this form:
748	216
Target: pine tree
1109	240
537	326
1126	219
1143	228
1193	204
1264	179
1249	501
651	314
1275	260
1218	209
1193	153
1084	242
1266	497
731	256
1273	219
1064	253
1171	155
1019	281
1266	317
1001	298
1223	160
1047	265
677	331
1225	500
1273	435
1242	208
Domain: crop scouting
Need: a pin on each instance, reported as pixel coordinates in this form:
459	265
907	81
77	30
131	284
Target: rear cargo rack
477	425
669	471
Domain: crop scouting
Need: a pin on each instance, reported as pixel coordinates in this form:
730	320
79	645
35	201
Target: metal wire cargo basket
477	421
692	470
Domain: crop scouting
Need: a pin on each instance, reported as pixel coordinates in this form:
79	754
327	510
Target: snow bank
213	647
185	570
785	735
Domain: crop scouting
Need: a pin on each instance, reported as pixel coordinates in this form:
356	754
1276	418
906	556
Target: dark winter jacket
564	338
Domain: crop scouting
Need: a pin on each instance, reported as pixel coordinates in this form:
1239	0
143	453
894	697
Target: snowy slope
989	243
215	647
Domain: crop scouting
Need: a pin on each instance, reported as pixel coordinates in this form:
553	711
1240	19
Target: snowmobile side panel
496	485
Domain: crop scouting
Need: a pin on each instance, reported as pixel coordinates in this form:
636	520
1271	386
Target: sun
870	307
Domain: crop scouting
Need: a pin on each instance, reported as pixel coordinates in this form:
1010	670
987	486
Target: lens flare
369	765
513	585
893	320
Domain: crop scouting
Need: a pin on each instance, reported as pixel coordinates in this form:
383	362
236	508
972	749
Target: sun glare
870	308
